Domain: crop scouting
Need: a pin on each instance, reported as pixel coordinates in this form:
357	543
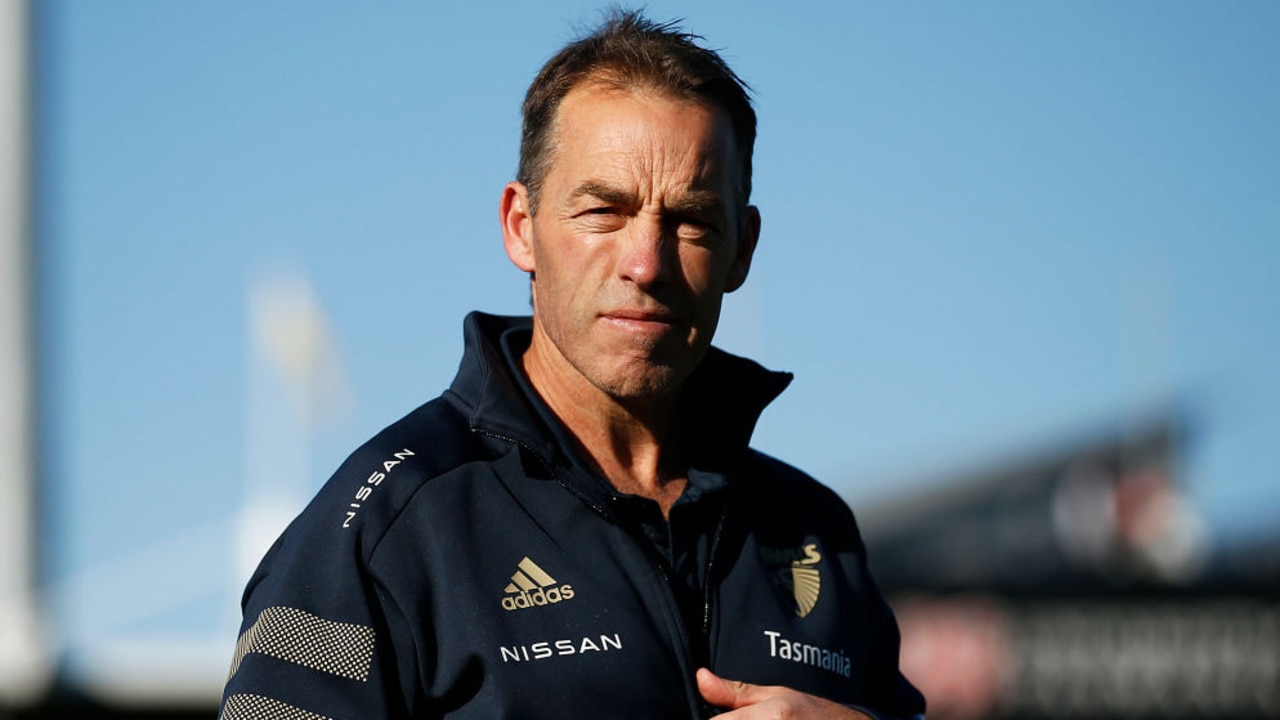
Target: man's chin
643	387
646	382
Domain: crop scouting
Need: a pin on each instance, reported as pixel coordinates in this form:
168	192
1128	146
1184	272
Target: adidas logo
531	586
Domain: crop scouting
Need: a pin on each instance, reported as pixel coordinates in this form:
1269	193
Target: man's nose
648	254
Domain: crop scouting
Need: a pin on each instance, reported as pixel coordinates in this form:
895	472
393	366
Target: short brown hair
631	51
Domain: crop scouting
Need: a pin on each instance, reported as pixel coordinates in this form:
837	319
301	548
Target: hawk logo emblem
798	574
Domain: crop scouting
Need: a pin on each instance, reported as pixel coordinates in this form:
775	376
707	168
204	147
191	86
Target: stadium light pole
25	660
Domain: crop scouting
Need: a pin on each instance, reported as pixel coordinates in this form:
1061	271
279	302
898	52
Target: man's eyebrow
698	202
606	193
694	202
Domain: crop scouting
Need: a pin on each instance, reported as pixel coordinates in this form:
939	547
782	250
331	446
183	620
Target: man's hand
748	701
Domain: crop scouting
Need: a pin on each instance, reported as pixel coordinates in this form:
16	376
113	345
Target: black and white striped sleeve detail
301	638
258	707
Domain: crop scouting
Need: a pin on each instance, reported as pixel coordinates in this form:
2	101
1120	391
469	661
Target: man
577	527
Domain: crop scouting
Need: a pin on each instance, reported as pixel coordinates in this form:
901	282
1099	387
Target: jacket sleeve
321	637
895	698
318	640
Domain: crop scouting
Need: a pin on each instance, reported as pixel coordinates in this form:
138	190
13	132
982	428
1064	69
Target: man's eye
606	218
691	229
604	213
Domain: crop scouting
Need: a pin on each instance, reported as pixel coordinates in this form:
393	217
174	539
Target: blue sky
987	227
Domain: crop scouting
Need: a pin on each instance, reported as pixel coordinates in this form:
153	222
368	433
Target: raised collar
726	392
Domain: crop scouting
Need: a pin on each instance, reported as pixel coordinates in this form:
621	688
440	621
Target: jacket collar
727	393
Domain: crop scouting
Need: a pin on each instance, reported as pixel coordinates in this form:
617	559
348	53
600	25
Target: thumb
723	693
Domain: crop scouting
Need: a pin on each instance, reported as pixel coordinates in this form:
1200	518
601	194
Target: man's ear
517	225
747	239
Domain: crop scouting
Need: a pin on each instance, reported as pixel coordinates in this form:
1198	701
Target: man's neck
634	445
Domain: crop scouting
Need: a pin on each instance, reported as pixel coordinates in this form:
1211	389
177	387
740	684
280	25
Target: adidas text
531	586
537	597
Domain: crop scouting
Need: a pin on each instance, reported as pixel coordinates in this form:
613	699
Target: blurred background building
1023	260
1080	582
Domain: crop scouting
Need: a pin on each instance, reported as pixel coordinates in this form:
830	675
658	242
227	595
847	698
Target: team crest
797	573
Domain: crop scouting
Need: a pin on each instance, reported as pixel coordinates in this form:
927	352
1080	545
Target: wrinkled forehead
591	120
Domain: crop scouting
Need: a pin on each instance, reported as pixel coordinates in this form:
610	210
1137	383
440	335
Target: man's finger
779	701
729	694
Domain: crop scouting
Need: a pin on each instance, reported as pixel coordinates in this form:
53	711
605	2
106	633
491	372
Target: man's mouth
646	321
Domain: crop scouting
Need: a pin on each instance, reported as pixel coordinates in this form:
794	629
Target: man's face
638	235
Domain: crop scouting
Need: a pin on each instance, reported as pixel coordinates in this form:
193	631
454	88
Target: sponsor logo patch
565	646
795	651
796	571
531	586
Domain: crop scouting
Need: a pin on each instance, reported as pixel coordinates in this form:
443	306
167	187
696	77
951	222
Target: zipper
681	641
682	646
709	590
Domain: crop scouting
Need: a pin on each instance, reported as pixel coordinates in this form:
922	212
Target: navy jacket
465	564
